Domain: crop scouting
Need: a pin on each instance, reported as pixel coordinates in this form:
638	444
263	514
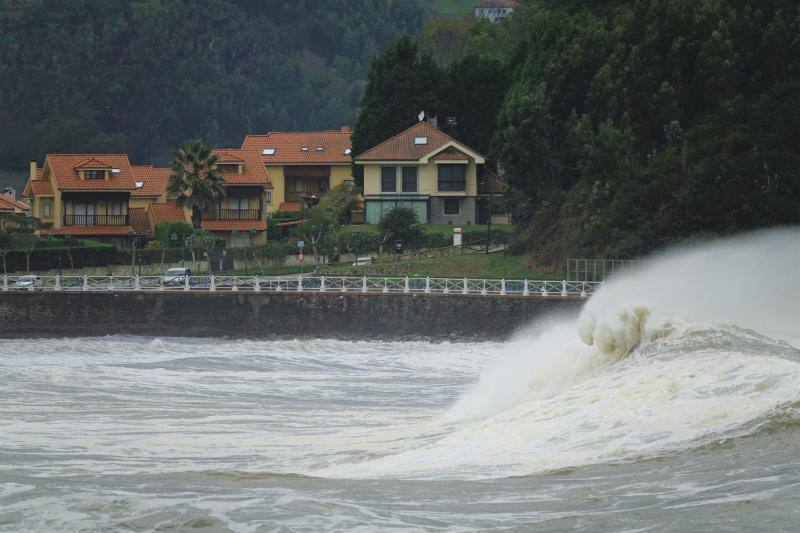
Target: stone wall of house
468	214
274	315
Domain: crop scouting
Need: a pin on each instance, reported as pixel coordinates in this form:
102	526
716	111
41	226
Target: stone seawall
268	315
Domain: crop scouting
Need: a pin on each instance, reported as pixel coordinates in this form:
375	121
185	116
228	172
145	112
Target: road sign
300	256
301	244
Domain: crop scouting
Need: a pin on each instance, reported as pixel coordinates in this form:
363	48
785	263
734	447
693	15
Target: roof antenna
421	116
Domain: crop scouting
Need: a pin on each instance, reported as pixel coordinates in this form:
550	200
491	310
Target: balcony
95	220
297	196
232	214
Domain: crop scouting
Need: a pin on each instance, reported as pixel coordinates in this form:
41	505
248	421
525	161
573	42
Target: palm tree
195	181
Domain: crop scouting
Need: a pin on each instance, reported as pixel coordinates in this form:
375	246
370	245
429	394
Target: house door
83	214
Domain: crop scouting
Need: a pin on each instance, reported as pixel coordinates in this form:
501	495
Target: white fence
332	284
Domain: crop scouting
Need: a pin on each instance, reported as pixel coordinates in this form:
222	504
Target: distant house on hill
494	10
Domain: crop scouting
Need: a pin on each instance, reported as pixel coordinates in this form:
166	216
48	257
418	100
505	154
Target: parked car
176	276
28	282
367	260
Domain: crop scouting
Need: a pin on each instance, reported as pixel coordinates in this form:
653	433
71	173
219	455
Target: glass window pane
388	179
409	179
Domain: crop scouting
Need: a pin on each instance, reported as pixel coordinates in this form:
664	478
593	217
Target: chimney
433	121
344	127
33	169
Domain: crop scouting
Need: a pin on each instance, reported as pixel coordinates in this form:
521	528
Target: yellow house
427	170
86	195
302	164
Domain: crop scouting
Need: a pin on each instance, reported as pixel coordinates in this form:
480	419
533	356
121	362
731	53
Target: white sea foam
696	347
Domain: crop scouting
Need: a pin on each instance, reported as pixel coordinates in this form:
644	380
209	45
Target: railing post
257	286
111	283
503	286
563	287
364	284
212	283
300	283
322	284
186	283
5	282
427	285
136	285
465	290
385	285
483	290
525	287
406	288
85	286
544	288
57	286
235	287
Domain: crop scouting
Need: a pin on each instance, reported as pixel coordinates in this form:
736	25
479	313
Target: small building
302	164
425	169
494	10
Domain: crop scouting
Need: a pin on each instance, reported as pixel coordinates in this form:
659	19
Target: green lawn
495	265
444	229
452	7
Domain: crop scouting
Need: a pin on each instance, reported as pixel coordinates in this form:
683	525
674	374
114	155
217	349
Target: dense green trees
140	76
627	126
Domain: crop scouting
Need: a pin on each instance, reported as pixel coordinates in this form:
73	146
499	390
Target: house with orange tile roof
302	164
240	217
86	195
427	170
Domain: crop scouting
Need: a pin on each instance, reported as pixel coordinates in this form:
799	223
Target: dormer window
228	168
94	174
420	140
268	151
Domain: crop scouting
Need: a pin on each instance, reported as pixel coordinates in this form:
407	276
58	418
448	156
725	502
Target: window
268	197
238	203
420	140
46	210
228	169
452	178
452	206
409	179
388	179
94	174
268	151
115	209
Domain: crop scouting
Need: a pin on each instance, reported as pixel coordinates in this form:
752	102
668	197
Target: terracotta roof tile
98	231
39	187
154	180
10	203
230	225
63	171
167	212
137	216
253	171
402	147
450	154
289	207
288	147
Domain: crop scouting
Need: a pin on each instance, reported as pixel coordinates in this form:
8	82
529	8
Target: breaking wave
700	345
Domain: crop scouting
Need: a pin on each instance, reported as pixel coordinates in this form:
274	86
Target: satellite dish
421	116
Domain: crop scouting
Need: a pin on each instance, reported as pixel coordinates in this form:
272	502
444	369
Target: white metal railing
367	284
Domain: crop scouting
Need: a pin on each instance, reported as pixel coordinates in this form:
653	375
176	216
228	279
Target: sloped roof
64	171
450	154
137	216
9	203
230	225
39	187
402	147
89	231
167	212
288	146
289	207
253	171
154	179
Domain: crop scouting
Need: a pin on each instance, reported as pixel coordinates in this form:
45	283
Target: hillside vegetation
140	76
622	126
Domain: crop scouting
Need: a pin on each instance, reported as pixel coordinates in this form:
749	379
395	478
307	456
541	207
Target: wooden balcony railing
232	214
95	220
296	196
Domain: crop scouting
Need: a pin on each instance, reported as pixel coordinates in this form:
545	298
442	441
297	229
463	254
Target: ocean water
671	402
